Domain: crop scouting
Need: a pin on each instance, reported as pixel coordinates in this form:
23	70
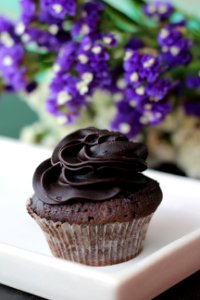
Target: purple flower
88	61
89	20
131	120
192	108
159	10
17	78
168	36
153	113
150	67
145	101
66	57
7	35
127	119
46	18
59	8
110	40
38	27
12	70
52	107
93	58
145	93
175	46
193	82
132	60
11	56
42	39
134	44
67	96
135	95
28	11
172	32
159	89
5	25
139	67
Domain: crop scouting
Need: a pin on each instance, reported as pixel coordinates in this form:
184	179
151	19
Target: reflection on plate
171	252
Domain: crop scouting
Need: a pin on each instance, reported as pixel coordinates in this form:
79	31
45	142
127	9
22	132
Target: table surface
188	289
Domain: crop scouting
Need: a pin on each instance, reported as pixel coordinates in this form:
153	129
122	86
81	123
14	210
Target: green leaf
132	9
115	19
194	25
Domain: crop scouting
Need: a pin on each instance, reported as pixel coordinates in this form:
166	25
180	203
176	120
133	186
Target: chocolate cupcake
91	200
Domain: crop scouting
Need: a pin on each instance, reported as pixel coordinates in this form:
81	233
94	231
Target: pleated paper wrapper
91	244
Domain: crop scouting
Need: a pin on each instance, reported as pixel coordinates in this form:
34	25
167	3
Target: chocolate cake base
124	207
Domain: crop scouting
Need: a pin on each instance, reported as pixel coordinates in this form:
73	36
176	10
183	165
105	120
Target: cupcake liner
91	244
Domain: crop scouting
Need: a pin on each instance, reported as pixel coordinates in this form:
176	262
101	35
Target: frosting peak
90	164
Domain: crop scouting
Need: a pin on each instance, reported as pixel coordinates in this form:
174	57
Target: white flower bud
57	8
124	128
63	97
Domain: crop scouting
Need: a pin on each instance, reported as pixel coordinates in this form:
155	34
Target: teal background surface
9	8
14	114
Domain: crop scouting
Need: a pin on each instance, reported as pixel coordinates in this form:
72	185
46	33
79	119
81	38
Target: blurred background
15	114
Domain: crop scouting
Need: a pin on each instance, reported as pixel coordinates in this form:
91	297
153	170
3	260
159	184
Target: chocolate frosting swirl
90	164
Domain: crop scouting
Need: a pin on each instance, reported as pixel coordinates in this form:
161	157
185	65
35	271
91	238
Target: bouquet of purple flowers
145	55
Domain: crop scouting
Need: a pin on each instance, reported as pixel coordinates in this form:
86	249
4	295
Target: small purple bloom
135	95
193	82
67	96
134	44
159	89
146	92
28	11
10	57
192	108
59	8
93	58
133	79
132	119
46	18
176	57
17	78
88	61
110	40
67	57
150	67
7	34
132	61
159	10
168	36
43	39
5	25
89	20
153	113
53	108
127	119
174	45
139	67
12	70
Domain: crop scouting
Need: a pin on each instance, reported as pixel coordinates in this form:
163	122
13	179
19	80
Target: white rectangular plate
171	252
